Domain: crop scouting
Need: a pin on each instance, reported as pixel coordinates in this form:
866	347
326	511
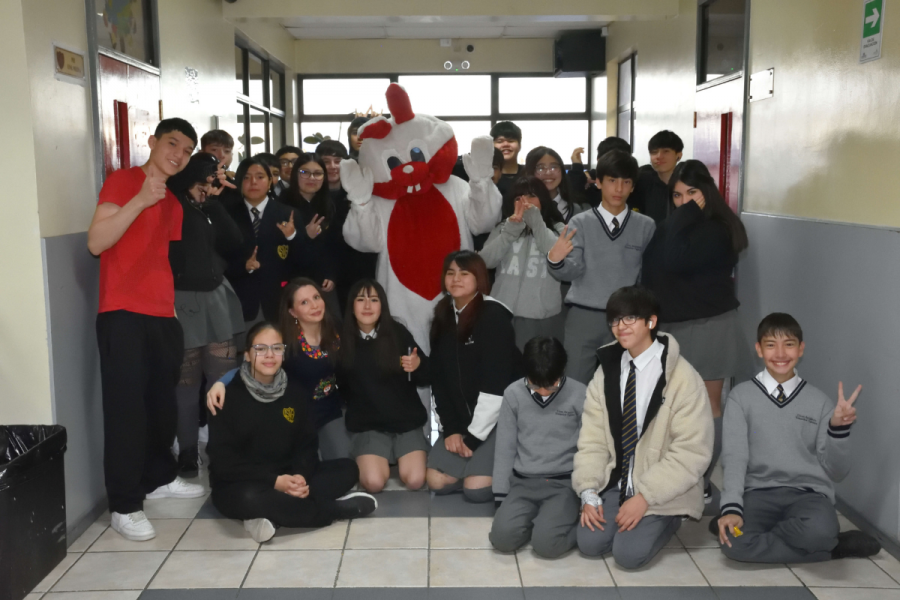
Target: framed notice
68	64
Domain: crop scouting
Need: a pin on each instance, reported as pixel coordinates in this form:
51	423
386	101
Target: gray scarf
264	392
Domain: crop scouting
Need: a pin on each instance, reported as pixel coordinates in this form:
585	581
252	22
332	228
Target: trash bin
32	506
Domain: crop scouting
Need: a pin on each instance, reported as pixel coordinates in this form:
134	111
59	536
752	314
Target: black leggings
255	500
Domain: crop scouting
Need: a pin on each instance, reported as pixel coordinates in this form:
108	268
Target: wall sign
68	64
762	85
872	28
192	76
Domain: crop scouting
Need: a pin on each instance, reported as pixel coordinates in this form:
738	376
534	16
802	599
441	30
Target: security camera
470	48
465	65
448	65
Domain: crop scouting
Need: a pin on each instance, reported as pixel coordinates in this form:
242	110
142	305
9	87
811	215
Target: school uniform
587	195
532	481
651	195
353	265
781	456
606	256
468	378
646	429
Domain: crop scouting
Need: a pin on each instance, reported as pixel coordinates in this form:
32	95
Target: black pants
140	362
255	500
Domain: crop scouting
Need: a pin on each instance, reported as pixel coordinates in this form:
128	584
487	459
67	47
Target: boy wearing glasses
646	438
536	433
287	156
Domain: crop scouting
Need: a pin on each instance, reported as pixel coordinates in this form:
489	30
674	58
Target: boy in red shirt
140	340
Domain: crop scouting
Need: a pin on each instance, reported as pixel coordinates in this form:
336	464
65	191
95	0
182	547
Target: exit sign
872	28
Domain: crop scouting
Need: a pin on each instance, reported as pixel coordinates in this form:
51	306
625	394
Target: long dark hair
444	311
290	326
245	166
320	203
531	161
694	173
386	342
532	186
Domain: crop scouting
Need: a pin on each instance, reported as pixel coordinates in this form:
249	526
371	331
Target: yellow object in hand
738	532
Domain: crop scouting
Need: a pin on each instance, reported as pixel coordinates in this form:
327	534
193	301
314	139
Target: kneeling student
536	435
785	443
646	438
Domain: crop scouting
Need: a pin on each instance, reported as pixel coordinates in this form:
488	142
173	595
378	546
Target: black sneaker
355	505
189	463
855	544
714	526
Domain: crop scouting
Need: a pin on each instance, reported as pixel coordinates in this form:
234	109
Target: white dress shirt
608	216
368	336
561	205
261	207
771	385
647	370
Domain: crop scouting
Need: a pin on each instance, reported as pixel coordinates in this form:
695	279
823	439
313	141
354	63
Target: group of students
587	407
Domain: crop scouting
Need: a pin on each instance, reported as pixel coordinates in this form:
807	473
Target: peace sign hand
222	176
314	228
845	412
287	227
519	210
563	245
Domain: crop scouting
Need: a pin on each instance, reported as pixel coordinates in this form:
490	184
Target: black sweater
209	237
382	401
488	361
651	195
325	247
688	265
353	265
256	441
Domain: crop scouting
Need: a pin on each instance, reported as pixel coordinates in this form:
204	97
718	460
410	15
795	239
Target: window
260	105
343	96
542	95
598	117
449	95
721	44
625	117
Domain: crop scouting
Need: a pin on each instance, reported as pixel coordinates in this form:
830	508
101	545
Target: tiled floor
417	547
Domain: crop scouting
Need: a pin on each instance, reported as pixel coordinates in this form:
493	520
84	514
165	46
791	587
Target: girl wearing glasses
264	468
516	249
545	164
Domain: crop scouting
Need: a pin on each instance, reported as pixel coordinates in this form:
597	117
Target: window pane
449	95
276	89
258	133
562	136
598	134
276	135
332	131
239	69
723	48
624	126
465	131
625	83
256	78
542	94
598	110
240	151
343	96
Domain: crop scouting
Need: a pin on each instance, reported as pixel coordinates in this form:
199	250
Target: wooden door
129	112
718	135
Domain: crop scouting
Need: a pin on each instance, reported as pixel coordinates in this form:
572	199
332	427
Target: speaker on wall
580	53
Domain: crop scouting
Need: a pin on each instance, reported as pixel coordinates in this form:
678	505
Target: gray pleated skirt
716	347
208	317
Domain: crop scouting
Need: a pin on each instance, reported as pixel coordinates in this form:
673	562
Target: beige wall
666	75
826	146
24	355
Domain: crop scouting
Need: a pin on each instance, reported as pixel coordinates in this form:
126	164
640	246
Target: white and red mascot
408	207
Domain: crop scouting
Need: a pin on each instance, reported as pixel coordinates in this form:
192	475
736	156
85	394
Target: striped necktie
255	212
615	224
629	431
780	397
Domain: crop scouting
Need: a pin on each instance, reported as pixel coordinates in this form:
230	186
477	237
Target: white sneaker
204	434
133	526
261	530
179	488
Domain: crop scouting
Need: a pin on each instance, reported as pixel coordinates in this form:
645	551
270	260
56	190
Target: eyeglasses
629	320
277	349
541	169
534	388
312	175
287	162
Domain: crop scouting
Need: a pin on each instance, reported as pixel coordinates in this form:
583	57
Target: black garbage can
32	506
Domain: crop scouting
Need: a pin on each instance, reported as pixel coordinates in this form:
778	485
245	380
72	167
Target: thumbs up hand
154	187
252	263
411	363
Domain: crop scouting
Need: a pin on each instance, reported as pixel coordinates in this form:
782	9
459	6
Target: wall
666	75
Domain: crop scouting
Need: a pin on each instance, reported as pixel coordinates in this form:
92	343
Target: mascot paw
479	162
357	181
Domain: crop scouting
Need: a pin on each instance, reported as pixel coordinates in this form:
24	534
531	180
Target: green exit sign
873	26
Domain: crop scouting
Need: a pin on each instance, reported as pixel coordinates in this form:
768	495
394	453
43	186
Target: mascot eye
393	162
416	155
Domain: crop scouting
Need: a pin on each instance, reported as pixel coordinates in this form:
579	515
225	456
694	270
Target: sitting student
651	193
473	359
785	443
287	156
220	144
536	441
274	165
508	139
379	368
601	254
545	164
516	248
263	464
646	438
584	190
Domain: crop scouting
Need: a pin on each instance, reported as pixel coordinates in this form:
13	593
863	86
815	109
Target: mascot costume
407	207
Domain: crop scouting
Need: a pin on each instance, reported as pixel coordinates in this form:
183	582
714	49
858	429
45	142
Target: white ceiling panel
421	32
337	33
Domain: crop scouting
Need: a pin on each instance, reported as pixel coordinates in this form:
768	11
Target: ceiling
437	27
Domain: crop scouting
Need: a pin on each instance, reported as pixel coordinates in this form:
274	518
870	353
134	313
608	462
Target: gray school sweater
537	438
768	445
601	263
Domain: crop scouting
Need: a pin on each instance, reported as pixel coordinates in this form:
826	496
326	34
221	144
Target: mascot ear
398	104
376	129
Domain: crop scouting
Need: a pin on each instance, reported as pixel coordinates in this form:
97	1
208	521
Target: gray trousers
631	549
334	440
586	330
542	510
785	525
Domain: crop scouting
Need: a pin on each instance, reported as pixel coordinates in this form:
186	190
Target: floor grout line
343	550
168	555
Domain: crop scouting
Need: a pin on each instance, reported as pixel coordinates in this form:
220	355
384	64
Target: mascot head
407	153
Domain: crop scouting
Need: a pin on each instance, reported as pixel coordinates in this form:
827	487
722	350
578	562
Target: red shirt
135	274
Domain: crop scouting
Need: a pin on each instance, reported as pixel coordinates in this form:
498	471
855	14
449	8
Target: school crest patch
283	251
288	414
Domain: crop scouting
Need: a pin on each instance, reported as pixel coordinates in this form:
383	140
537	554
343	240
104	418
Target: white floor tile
573	569
324	538
203	569
460	532
112	595
294	569
473	568
854	594
368	534
384	568
111	571
721	572
668	568
168	532
695	534
888	564
57	572
216	534
90	535
847	572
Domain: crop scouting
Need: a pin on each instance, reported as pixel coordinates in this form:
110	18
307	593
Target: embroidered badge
283	251
325	388
288	414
